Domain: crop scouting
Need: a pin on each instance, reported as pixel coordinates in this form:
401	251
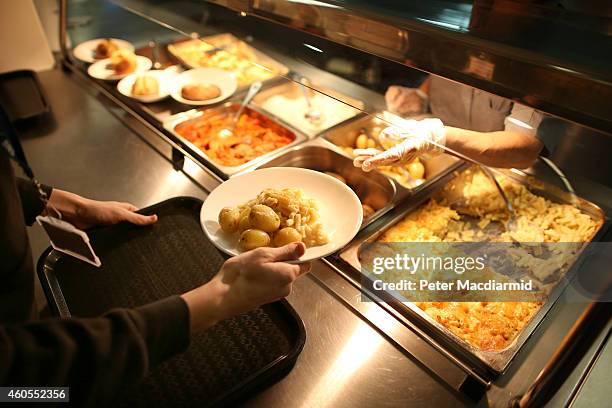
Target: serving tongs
253	89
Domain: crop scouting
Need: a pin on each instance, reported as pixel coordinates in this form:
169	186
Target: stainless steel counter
355	353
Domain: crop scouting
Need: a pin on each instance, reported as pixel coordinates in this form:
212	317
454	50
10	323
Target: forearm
496	149
97	357
68	204
205	305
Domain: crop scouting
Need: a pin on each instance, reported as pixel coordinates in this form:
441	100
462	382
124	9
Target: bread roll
200	91
145	85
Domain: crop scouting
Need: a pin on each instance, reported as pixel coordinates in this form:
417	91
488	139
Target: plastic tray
224	364
21	95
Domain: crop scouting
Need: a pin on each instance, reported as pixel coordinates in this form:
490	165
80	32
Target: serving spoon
253	89
312	114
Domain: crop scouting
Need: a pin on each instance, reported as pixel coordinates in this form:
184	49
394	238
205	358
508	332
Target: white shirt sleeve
523	119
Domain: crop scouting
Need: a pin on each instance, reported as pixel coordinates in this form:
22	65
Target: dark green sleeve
31	203
98	357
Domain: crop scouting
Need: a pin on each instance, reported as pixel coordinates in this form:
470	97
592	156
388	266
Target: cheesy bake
489	325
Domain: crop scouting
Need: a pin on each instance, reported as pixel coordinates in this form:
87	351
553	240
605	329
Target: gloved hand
406	101
414	138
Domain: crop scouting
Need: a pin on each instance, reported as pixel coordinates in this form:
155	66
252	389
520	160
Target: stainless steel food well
227	108
489	363
344	135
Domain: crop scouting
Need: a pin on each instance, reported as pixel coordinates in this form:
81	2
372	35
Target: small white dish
339	207
85	51
164	79
226	82
103	70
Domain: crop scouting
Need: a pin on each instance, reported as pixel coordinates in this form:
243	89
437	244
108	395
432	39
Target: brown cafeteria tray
229	107
437	167
487	362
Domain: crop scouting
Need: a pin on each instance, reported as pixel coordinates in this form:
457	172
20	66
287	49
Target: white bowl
85	50
339	207
103	70
226	82
164	79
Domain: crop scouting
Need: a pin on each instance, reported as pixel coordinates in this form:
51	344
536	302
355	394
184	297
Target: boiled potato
362	141
253	238
286	236
264	218
228	219
244	223
416	169
371	143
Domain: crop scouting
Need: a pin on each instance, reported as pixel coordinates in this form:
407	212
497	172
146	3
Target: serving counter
360	351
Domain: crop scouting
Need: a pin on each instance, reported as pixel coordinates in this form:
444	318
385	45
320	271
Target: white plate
85	50
102	69
164	79
339	207
226	82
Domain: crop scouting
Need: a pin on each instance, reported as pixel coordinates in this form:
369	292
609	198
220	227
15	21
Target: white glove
414	138
406	101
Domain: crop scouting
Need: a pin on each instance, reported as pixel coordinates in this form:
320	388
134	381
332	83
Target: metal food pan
226	39
490	363
374	189
228	108
344	135
291	90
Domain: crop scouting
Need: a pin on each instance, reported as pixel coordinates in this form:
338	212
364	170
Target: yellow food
264	218
123	62
199	91
416	169
410	175
253	238
145	85
286	236
105	48
278	213
489	326
228	219
236	58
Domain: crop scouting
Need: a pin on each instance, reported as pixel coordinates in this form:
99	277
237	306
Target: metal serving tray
292	90
374	189
228	107
489	363
226	39
344	135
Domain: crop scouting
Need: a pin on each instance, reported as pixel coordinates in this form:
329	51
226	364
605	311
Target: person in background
475	123
100	357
